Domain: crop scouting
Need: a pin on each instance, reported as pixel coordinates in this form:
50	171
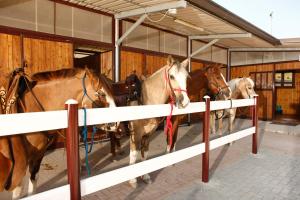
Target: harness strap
169	126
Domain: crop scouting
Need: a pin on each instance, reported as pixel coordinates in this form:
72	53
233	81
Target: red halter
169	126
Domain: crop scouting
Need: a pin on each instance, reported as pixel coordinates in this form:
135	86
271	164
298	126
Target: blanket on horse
12	148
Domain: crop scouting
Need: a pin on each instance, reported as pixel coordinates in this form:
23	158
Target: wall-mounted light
188	24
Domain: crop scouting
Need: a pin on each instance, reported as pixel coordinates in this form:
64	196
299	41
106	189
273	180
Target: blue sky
286	15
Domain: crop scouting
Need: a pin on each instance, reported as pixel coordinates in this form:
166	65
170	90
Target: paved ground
234	172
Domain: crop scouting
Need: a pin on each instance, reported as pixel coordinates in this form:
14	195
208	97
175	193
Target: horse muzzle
182	101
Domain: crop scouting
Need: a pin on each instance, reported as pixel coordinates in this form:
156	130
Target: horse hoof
133	183
146	178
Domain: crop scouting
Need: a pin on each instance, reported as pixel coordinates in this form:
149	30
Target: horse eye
172	77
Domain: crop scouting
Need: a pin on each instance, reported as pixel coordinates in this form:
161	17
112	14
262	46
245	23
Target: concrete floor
234	172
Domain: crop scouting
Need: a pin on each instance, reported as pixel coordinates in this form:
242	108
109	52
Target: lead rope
169	125
86	145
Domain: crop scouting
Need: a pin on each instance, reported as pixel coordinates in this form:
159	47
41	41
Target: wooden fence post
72	140
254	123
205	155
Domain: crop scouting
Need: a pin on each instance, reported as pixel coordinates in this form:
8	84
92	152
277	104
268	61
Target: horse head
216	82
176	77
246	88
97	94
133	86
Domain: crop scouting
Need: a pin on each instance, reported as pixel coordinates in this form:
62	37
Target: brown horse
169	81
208	80
50	92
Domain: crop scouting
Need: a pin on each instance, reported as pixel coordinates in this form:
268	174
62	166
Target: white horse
168	82
242	88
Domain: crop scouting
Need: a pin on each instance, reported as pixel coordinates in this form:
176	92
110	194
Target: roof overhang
199	17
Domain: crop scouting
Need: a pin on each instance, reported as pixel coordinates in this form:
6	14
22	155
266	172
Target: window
262	80
284	79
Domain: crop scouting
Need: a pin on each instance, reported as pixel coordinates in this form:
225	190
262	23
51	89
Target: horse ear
142	77
170	60
185	63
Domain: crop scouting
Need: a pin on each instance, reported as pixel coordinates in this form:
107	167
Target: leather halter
169	126
85	93
220	89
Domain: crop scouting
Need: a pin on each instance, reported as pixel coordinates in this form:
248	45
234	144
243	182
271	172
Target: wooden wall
10	53
40	55
265	98
288	98
106	64
43	55
130	61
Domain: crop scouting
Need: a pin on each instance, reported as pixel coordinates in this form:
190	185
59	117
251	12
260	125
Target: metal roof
209	16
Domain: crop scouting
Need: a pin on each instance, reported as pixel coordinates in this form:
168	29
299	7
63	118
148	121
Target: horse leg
133	152
34	168
232	113
220	122
171	148
17	192
231	119
112	144
212	123
144	152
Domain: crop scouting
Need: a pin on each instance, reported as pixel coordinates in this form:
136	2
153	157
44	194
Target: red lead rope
169	125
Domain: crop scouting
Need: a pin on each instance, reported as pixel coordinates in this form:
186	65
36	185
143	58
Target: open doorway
287	93
95	58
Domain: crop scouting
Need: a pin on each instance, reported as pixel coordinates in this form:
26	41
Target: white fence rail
33	122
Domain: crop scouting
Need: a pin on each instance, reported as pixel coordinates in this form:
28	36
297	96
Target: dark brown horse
50	92
206	81
123	92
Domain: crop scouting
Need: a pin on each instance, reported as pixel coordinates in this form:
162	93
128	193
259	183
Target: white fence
41	121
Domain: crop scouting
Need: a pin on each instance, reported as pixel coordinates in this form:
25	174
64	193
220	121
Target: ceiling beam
204	47
263	49
138	22
150	9
221	36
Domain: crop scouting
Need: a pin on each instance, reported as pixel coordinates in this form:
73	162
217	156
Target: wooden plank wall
10	53
265	96
289	98
43	55
131	61
106	64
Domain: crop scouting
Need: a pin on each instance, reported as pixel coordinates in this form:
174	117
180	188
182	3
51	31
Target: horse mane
57	74
215	66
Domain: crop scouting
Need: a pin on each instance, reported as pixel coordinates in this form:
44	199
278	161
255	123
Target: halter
85	91
169	126
220	89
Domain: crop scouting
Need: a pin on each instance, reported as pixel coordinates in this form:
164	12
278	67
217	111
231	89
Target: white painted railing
41	121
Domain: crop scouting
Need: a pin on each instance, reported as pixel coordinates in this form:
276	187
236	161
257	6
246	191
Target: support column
205	155
117	52
72	140
228	69
254	123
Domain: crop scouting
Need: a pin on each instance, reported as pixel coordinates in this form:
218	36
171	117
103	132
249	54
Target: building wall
265	98
10	53
50	17
288	98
